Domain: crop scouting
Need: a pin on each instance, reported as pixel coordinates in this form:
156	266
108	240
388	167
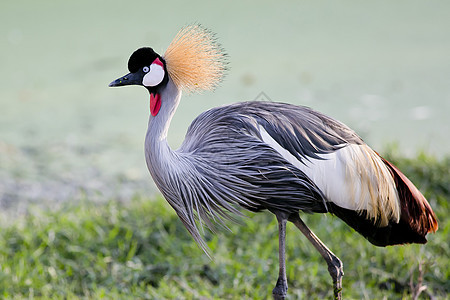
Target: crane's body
265	155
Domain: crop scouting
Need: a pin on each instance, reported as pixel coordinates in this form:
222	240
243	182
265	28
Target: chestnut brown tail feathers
416	219
415	209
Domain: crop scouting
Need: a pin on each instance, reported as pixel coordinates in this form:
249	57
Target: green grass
140	250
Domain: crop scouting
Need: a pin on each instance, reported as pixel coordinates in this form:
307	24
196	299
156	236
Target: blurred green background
381	67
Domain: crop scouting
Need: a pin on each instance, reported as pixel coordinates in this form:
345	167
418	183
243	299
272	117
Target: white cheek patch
154	76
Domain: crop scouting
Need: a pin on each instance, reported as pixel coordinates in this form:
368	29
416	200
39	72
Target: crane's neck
157	151
158	125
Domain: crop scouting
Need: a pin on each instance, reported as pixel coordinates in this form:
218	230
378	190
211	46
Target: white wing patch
353	177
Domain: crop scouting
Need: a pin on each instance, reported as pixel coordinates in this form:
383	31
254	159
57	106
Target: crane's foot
280	290
336	270
337	293
338	289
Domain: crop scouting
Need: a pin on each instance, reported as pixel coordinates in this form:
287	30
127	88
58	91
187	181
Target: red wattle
155	103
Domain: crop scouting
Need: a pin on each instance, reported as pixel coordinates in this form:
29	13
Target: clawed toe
280	290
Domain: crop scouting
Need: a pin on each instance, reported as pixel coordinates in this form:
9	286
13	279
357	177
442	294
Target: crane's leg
280	290
335	266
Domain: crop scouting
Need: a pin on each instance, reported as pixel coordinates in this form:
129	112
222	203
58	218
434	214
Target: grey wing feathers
225	162
301	130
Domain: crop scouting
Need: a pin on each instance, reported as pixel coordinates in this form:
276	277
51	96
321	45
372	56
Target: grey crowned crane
265	155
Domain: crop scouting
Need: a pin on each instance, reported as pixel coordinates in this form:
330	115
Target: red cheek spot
158	62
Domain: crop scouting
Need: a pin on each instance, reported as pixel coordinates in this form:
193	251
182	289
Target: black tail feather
393	234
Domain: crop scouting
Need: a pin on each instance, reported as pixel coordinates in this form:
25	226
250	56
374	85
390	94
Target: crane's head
147	68
194	61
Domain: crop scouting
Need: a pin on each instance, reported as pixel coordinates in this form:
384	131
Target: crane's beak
129	79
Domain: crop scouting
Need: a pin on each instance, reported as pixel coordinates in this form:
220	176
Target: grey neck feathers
157	151
159	124
169	168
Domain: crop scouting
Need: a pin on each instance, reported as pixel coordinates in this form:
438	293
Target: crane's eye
145	69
